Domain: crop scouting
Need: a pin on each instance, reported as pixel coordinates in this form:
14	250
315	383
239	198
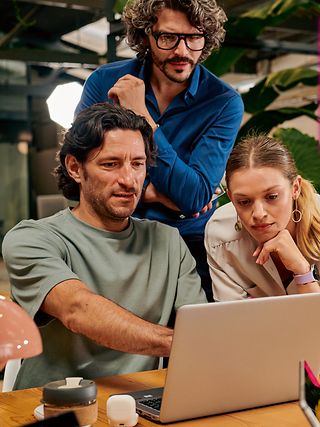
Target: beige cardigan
233	270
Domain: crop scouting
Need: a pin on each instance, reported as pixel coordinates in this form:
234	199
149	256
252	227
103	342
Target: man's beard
104	210
172	77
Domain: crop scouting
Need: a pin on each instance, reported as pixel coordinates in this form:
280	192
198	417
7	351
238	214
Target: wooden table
16	408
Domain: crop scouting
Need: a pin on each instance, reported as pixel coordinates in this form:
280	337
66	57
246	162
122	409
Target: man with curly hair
194	115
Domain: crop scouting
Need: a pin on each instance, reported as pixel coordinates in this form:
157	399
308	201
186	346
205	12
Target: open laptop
235	355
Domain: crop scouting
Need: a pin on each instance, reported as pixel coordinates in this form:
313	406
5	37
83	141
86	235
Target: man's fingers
112	93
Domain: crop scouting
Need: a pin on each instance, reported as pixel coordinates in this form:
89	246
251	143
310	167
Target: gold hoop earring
296	215
238	225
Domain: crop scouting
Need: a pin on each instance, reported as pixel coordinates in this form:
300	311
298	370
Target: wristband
302	279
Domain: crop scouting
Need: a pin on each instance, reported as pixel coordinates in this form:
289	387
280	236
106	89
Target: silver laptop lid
235	355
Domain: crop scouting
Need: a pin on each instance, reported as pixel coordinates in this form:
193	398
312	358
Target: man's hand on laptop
104	322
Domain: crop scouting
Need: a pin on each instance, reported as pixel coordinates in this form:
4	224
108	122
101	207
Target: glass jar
72	394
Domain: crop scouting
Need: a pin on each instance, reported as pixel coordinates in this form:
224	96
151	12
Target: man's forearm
104	322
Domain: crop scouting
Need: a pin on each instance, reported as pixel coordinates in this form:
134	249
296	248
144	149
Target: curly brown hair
140	15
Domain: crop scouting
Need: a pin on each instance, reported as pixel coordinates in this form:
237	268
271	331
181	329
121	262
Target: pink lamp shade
19	335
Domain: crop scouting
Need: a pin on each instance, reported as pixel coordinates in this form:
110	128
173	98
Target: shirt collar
194	82
143	70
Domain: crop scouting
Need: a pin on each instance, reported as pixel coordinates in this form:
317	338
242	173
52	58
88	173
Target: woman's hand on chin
286	249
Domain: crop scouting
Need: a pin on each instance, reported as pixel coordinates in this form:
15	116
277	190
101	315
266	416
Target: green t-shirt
146	269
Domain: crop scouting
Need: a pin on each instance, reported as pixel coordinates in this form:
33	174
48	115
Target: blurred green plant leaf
250	24
223	200
286	79
220	62
264	121
304	149
274	12
119	5
269	88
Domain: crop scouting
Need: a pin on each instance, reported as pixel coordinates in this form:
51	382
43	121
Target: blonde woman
267	241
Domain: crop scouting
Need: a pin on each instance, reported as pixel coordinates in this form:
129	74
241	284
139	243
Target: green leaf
264	121
286	79
221	61
269	88
119	5
280	8
250	24
223	200
305	152
259	97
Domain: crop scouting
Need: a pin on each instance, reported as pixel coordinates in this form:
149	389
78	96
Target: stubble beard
99	204
162	66
105	211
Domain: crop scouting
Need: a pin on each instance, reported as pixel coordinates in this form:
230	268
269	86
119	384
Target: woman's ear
296	187
73	167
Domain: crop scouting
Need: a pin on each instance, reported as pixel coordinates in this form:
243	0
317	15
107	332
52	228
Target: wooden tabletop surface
16	408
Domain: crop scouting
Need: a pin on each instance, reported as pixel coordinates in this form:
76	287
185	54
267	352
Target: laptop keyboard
152	403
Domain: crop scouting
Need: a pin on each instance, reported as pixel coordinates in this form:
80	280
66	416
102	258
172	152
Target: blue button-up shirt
195	136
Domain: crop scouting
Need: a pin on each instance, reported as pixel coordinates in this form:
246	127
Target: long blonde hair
265	151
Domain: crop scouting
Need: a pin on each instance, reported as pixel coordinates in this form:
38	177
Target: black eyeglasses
168	41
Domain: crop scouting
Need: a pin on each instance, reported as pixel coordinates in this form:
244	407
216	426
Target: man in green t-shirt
101	285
